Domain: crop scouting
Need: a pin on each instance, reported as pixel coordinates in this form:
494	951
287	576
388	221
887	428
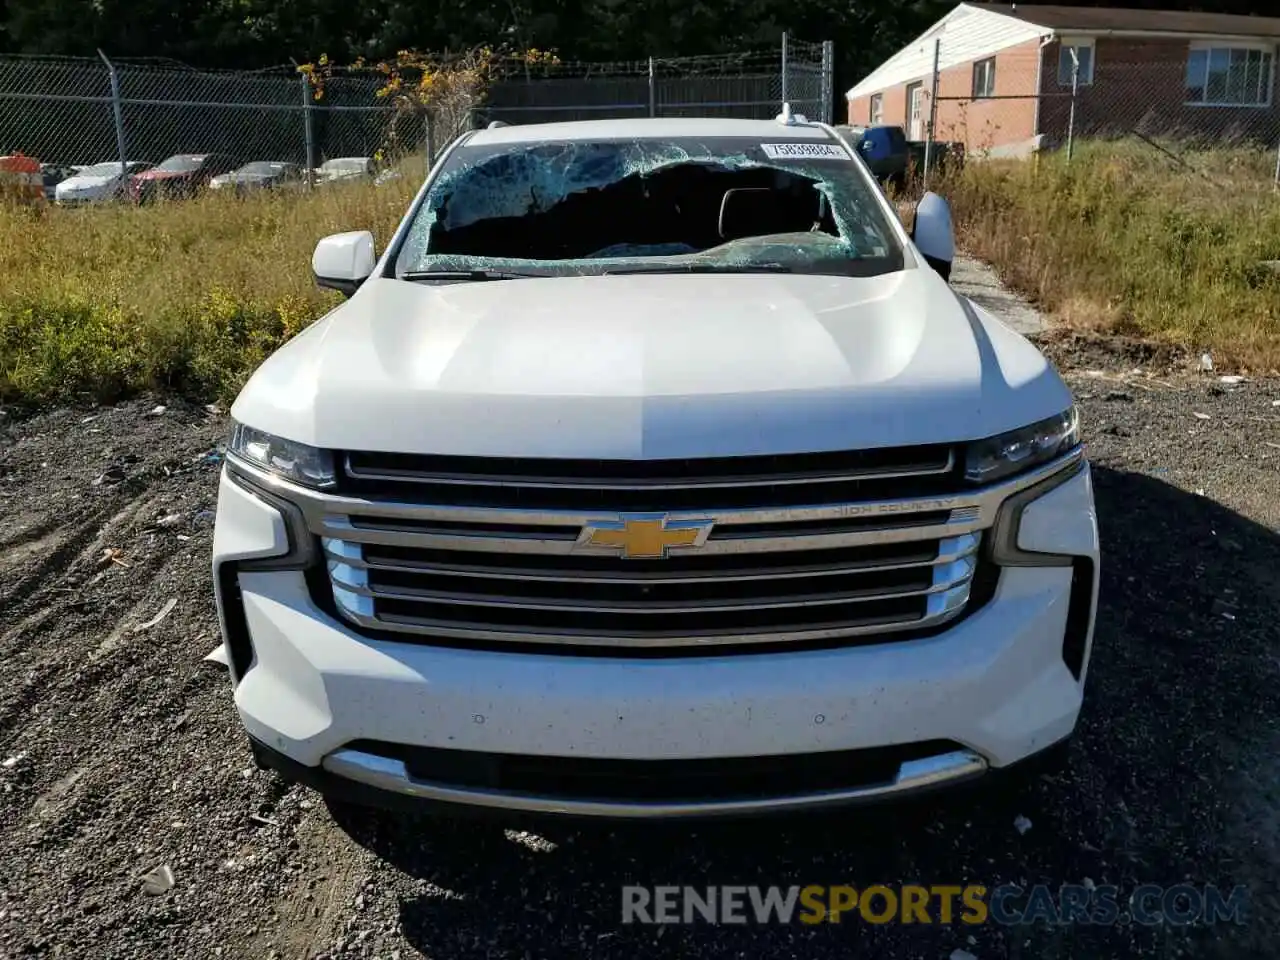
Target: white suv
653	470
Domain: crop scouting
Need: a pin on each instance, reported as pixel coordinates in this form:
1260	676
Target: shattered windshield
556	208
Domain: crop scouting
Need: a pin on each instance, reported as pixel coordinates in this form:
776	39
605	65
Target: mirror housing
934	235
343	261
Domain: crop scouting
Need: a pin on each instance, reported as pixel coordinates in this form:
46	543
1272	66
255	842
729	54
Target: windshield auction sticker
803	151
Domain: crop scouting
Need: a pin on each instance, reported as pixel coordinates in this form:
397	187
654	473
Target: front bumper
998	686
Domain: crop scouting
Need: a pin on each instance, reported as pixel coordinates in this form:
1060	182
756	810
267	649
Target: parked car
21	179
343	169
181	175
259	175
883	149
693	488
97	183
52	174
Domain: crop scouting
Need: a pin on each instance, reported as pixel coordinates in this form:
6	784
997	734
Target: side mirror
934	235
344	261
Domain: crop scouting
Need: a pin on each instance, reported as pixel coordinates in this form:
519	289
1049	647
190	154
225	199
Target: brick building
1006	70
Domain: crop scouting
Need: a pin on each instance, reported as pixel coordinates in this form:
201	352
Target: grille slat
590	626
483	550
936	526
836	467
665	485
830	563
646	599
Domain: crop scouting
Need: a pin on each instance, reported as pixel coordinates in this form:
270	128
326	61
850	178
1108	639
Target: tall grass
1125	240
97	303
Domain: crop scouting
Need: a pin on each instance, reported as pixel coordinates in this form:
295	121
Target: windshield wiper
705	268
466	275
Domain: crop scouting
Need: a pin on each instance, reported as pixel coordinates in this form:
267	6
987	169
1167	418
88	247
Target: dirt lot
120	752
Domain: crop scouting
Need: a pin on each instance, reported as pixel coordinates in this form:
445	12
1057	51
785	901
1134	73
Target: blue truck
891	157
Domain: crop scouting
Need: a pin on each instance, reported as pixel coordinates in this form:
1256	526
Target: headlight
1019	450
292	461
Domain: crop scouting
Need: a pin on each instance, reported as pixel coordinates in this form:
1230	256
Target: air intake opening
1076	638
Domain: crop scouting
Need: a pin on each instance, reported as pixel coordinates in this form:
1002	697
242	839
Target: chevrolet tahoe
653	469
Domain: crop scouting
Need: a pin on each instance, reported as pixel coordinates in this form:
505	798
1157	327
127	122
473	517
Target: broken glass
577	207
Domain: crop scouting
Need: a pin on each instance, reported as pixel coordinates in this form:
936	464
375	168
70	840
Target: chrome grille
760	597
488	550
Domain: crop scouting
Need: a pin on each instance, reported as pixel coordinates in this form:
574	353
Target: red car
182	175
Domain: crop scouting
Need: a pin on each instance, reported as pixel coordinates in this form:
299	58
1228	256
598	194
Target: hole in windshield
635	206
684	209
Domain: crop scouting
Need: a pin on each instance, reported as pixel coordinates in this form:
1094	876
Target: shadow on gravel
1171	781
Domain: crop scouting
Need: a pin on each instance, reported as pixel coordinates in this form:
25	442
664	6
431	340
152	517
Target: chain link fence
87	111
78	111
751	85
1210	110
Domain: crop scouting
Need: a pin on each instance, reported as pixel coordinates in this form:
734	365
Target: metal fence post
784	66
428	121
117	112
1075	90
308	135
828	81
1277	181
933	111
653	89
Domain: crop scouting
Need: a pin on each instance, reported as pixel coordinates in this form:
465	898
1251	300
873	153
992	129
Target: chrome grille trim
337	505
897	565
338	527
351	555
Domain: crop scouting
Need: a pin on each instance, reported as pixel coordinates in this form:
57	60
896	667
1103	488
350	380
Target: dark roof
1102	19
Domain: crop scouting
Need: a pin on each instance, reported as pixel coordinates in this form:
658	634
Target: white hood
651	366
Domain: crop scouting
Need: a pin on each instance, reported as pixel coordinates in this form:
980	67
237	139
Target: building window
877	109
1229	76
984	79
1083	50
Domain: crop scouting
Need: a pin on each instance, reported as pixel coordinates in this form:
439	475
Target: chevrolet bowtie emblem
644	536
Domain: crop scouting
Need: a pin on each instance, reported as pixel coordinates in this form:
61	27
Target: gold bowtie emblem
641	537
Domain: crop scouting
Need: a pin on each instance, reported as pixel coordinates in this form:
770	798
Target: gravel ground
120	754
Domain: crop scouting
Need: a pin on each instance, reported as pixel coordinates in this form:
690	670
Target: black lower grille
731	778
707	622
